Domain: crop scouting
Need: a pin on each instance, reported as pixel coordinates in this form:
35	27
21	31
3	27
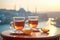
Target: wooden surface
52	35
7	35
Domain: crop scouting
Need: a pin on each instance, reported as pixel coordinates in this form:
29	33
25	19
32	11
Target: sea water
7	26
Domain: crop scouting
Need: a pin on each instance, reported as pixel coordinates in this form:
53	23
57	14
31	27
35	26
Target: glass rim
18	17
33	16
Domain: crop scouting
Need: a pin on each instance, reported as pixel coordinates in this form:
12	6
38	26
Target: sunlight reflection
52	28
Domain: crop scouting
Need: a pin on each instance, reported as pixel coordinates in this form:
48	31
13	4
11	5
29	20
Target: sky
31	5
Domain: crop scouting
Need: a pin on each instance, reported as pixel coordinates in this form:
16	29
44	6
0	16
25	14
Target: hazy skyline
31	5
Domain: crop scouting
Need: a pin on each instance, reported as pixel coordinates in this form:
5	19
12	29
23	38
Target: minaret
15	6
35	9
15	10
27	8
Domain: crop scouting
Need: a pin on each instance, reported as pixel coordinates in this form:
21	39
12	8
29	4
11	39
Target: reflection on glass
33	21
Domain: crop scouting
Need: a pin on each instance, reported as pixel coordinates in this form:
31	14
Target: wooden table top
33	34
52	35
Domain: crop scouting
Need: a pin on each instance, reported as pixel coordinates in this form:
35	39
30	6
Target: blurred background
43	8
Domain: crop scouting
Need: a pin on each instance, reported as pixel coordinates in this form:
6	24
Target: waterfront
4	27
7	26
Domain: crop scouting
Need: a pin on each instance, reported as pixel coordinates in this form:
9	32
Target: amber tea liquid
19	24
33	23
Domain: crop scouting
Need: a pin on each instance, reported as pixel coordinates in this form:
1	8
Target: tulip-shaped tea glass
18	23
33	22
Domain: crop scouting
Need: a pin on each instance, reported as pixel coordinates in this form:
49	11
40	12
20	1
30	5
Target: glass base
35	29
18	31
